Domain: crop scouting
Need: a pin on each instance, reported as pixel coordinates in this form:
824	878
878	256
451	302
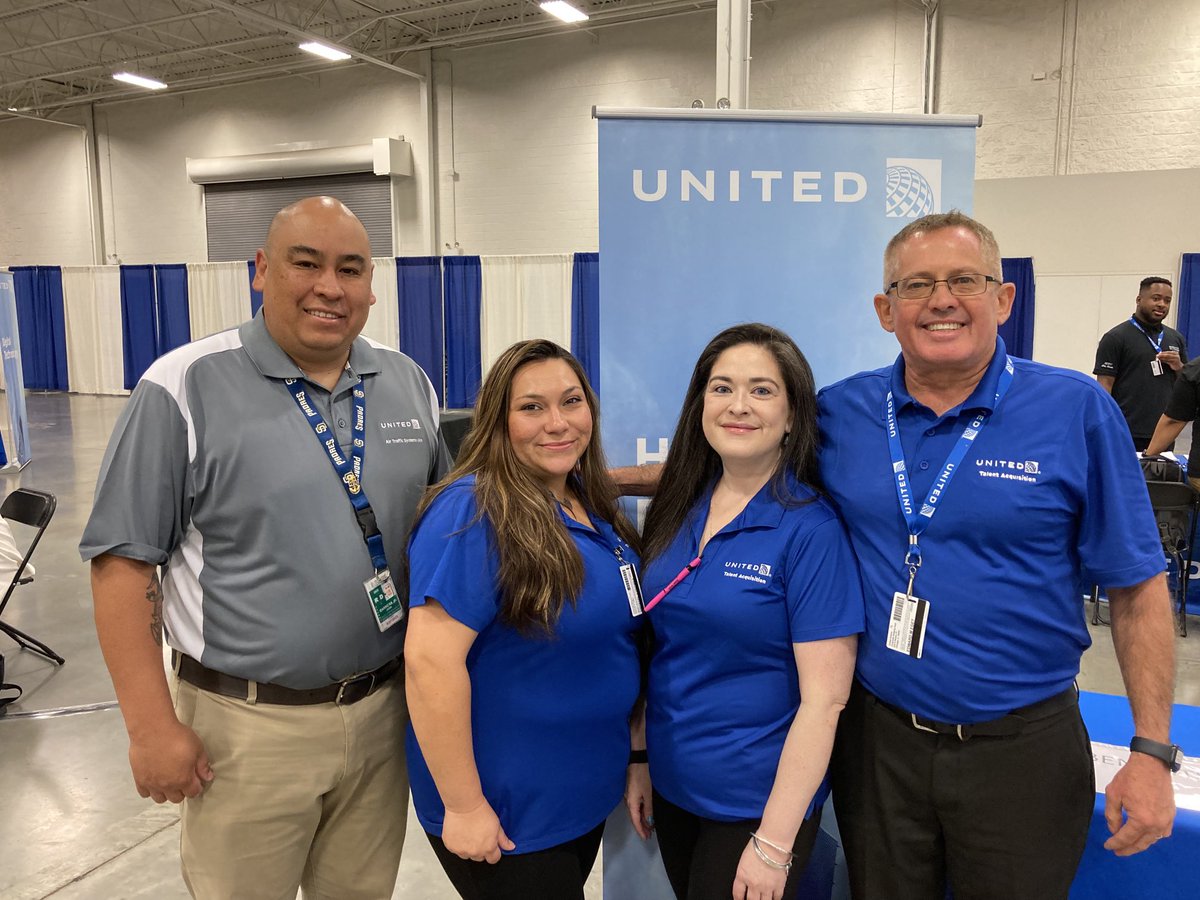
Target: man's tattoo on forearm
155	598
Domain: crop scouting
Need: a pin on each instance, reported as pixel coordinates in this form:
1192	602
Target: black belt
343	693
1005	726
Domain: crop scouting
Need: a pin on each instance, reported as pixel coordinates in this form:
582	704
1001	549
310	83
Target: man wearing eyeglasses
1138	360
981	493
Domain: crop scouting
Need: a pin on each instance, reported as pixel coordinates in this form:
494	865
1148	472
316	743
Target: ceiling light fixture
565	11
139	81
324	51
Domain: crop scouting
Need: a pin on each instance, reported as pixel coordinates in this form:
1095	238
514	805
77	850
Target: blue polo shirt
1048	501
723	689
549	715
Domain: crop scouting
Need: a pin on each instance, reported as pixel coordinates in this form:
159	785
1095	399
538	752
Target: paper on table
1108	759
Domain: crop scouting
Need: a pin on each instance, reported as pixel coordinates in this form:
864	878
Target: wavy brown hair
692	464
540	566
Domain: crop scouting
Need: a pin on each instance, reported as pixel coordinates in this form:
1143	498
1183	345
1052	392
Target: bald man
239	515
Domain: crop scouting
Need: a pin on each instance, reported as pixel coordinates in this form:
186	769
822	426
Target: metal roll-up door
239	213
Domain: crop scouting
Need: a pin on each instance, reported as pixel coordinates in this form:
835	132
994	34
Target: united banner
708	218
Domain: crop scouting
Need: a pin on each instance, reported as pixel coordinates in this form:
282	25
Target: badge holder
910	614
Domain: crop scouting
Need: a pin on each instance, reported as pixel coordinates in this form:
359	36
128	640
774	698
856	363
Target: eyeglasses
968	284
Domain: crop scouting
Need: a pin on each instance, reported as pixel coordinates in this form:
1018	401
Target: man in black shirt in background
1183	407
1137	361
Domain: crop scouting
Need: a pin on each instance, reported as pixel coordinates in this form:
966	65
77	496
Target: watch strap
1170	754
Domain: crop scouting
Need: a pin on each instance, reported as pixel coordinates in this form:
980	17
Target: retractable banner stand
19	453
710	218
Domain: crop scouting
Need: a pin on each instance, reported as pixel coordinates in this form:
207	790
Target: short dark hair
1154	279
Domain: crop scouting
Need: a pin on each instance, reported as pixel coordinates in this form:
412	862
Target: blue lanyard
918	520
348	470
1157	345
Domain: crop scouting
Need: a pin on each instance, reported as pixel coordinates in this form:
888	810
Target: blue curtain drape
419	292
1187	301
139	335
42	327
171	307
1018	330
585	314
463	288
255	296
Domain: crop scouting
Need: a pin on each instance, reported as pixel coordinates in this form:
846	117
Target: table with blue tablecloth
1170	869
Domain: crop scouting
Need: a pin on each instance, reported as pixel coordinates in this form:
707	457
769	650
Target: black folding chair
1175	506
35	509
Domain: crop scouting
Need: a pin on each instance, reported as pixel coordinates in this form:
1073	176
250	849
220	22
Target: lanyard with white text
348	470
918	520
1157	345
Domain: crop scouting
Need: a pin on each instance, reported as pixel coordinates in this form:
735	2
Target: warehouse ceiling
55	54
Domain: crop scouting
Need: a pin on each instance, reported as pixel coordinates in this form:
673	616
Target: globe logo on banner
914	188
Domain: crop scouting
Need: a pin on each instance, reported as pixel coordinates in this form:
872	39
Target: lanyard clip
912	558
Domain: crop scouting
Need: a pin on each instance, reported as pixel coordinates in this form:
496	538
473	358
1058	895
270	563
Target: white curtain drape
92	314
218	297
383	324
523	297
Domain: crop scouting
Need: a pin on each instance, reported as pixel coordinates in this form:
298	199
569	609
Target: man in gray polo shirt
242	468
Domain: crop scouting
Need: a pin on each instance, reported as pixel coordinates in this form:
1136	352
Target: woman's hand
755	880
475	834
639	799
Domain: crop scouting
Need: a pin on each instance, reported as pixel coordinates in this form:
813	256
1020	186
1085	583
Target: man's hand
170	764
1142	792
639	802
1170	359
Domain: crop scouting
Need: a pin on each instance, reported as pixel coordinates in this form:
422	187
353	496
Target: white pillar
733	52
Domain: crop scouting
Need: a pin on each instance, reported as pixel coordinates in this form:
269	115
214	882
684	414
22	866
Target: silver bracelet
784	850
774	864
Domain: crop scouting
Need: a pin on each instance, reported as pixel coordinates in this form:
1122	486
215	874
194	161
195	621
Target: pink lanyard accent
674	583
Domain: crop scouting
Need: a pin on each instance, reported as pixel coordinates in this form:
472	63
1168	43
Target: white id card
906	630
633	589
385	602
1156	367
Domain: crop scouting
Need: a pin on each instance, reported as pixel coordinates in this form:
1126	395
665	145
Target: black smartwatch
1168	753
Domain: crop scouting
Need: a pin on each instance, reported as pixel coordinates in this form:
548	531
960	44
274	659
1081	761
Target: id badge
633	589
906	630
385	602
1156	367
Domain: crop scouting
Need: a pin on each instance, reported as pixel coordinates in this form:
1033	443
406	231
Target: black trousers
556	873
999	818
701	855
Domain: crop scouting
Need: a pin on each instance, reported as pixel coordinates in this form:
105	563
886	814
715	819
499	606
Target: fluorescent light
140	81
325	52
564	11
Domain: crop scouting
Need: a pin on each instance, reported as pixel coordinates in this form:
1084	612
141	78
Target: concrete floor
72	827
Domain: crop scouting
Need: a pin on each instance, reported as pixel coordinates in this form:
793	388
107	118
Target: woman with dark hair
521	654
756	604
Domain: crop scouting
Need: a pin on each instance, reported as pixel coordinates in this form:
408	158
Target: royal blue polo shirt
723	689
1048	501
549	714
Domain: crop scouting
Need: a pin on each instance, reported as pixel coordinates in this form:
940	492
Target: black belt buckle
354	689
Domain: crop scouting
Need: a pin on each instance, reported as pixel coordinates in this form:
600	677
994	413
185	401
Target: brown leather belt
343	693
1013	723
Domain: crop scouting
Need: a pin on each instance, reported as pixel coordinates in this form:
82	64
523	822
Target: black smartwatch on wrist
1168	753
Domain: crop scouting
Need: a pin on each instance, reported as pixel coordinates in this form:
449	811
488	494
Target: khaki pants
303	796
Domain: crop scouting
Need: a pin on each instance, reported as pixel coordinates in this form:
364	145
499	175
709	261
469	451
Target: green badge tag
385	602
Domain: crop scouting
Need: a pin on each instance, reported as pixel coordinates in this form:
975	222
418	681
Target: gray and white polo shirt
213	473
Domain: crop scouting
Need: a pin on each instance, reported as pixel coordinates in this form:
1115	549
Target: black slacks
998	818
701	855
556	873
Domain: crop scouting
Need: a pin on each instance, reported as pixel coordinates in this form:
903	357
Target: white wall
44	209
1092	238
516	144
